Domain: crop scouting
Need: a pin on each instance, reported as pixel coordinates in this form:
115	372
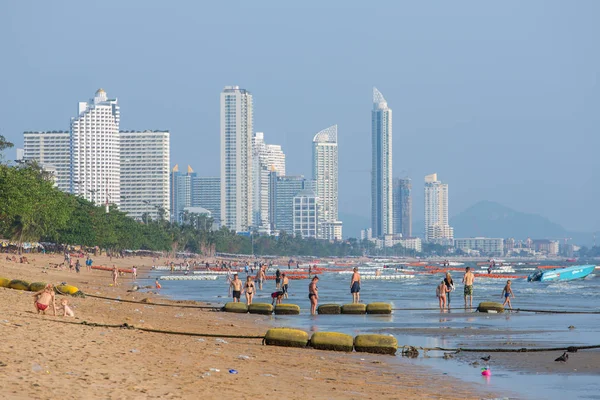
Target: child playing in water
440	292
507	292
68	312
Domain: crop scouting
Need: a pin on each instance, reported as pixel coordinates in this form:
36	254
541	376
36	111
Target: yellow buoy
490	306
329	309
240	308
66	289
260	308
286	337
331	341
354	308
287	309
4	282
37	286
379	344
18	284
379	308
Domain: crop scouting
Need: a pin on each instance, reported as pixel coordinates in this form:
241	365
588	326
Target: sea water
431	328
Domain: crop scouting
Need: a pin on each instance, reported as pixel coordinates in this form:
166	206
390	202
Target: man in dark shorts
236	286
277	279
355	286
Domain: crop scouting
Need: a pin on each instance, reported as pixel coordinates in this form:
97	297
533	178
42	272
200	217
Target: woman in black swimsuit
313	295
249	288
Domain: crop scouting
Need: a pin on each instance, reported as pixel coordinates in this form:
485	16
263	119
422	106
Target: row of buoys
288	337
293	309
211	272
188	278
501	276
291	277
105	268
387	277
18	284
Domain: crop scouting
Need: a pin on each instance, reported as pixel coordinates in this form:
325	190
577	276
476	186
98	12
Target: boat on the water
562	274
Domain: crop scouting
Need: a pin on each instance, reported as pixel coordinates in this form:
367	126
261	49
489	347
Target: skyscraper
51	151
436	211
325	177
95	150
402	207
207	194
281	204
182	190
381	171
305	214
236	158
145	173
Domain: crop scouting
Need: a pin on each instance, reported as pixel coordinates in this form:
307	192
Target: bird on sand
563	358
486	358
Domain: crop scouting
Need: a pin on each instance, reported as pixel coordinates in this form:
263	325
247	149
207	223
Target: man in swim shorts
43	298
236	286
468	290
355	286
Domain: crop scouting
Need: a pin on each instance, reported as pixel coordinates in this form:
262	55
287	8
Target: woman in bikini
313	295
249	289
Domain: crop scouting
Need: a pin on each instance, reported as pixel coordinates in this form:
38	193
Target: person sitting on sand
506	293
440	292
277	297
249	289
43	298
67	311
236	286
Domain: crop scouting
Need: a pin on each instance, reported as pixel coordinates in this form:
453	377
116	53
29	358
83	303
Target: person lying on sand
43	298
67	311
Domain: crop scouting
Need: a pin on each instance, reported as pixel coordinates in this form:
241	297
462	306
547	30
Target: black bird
563	358
486	358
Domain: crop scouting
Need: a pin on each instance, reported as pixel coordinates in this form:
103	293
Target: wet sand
43	357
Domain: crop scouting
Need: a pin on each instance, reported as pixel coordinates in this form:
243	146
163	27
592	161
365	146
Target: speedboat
562	274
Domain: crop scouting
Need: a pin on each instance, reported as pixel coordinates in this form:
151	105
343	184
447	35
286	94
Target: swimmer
67	311
506	293
43	298
236	287
355	286
157	285
313	295
249	289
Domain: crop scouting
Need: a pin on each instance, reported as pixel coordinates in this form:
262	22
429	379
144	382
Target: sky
501	99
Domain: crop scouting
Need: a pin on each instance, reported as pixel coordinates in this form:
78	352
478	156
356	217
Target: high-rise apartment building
305	214
95	150
208	195
145	174
236	158
52	151
325	177
381	179
281	204
182	192
436	211
265	158
402	199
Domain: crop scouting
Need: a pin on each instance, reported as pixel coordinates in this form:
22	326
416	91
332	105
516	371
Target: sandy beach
44	357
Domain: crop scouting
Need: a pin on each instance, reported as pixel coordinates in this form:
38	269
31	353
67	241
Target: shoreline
47	358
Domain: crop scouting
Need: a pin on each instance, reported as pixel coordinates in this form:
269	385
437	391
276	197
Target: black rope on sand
508	310
571	349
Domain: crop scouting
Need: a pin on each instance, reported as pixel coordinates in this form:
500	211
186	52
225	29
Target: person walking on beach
506	293
115	275
260	276
468	291
313	295
133	273
43	298
440	292
284	285
355	286
236	287
450	285
249	289
278	279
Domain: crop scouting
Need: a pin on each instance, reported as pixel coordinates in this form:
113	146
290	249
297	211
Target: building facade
236	158
95	150
51	150
208	195
281	204
182	189
485	246
402	199
145	158
436	211
325	178
305	214
381	179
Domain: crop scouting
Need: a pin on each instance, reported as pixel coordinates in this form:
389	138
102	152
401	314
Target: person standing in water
506	293
313	295
441	291
249	289
355	286
278	279
468	291
236	286
450	285
284	285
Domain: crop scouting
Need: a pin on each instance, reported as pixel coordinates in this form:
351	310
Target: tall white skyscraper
381	173
51	150
145	158
325	177
95	150
275	158
236	158
436	211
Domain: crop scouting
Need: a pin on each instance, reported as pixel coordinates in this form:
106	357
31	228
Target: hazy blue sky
501	99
